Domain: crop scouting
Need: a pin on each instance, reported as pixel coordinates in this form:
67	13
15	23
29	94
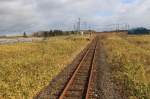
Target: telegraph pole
117	27
78	24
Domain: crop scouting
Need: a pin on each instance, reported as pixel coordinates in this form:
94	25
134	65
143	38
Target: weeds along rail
78	86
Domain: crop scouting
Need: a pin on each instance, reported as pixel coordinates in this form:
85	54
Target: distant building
82	32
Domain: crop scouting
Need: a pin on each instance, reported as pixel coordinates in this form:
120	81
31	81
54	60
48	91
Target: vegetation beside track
25	68
130	64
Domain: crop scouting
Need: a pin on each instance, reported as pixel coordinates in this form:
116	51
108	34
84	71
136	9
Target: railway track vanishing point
79	84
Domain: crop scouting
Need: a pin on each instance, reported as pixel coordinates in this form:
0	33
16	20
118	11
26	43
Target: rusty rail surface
79	84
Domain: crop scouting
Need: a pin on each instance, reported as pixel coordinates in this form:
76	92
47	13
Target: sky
18	16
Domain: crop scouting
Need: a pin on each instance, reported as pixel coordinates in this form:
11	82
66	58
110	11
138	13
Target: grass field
130	60
25	68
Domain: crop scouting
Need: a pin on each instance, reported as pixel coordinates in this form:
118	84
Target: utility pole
78	25
117	27
90	29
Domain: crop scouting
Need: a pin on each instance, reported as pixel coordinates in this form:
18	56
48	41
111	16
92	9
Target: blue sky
17	16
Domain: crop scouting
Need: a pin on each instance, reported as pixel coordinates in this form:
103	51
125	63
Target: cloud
17	16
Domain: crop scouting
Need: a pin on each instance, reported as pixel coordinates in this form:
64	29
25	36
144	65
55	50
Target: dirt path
105	89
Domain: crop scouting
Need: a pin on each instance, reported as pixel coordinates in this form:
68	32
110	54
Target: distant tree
139	30
57	32
24	35
45	34
72	32
50	33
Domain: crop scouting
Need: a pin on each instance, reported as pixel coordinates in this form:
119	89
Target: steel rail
62	95
91	73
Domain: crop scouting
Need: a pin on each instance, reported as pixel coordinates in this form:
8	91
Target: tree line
52	33
139	31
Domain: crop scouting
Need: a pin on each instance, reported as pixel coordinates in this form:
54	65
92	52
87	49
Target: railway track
79	84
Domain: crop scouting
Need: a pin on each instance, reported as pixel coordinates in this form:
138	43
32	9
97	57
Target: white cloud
34	15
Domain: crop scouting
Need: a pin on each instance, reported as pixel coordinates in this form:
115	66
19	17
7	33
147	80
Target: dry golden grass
25	68
130	65
142	41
